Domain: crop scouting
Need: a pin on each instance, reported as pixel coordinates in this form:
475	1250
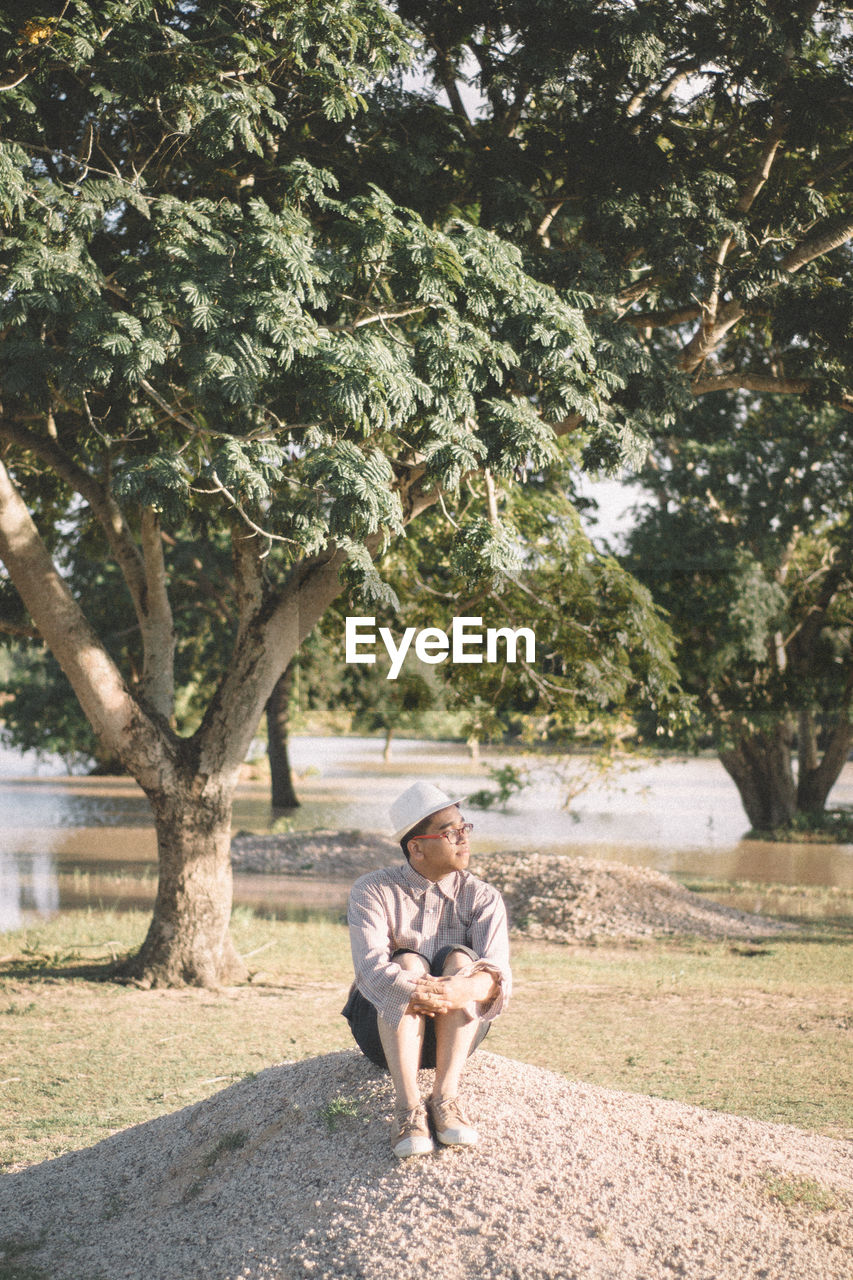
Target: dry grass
758	1031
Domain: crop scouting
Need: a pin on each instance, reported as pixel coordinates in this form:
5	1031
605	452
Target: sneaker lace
449	1109
410	1121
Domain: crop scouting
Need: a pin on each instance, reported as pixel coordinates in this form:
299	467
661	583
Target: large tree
686	164
213	319
747	543
200	336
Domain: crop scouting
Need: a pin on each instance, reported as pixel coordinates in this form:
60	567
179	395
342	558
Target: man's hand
428	999
441	995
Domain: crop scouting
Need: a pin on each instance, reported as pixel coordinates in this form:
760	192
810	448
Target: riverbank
89	841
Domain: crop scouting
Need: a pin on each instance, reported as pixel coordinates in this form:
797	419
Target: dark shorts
363	1019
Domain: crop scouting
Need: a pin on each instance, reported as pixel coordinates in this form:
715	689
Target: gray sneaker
452	1126
412	1135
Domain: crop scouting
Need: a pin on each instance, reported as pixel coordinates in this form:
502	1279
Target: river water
69	841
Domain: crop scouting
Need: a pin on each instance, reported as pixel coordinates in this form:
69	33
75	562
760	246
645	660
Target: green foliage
233	1141
802	1192
747	545
337	1110
508	780
832	826
204	316
661	161
252	279
40	712
602	647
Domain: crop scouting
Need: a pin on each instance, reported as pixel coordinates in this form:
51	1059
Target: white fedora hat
417	803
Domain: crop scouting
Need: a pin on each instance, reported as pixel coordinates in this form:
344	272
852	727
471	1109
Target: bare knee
455	961
412	962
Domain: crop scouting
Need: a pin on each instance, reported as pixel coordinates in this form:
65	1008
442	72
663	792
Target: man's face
434	858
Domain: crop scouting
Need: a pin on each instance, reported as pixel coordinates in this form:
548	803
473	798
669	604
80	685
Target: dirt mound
560	899
290	1175
578	899
334	855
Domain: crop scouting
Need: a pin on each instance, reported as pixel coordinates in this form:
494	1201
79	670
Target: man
431	955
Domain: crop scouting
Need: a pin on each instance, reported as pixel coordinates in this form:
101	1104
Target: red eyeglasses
454	836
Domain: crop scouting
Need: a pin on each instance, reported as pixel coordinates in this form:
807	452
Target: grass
826	907
233	1141
13	1259
829	826
760	1031
805	1193
337	1110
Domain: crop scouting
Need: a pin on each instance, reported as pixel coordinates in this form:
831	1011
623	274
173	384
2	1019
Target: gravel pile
290	1175
334	855
559	899
578	899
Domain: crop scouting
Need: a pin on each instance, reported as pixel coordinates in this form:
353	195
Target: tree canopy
687	165
204	338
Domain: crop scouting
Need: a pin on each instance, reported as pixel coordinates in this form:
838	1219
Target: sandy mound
578	899
261	1182
335	855
561	899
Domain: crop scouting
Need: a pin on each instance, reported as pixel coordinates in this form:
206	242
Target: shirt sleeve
490	939
379	979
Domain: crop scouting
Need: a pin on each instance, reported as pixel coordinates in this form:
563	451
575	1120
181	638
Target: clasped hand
440	995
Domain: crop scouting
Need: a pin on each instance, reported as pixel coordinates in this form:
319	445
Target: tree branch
662	319
173	413
100	500
819	244
248	557
157	625
545	225
763	383
448	83
18	631
115	716
272	635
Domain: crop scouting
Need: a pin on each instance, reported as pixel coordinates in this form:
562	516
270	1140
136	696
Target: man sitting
431	955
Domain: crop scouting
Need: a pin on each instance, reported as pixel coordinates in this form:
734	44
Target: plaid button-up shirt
397	908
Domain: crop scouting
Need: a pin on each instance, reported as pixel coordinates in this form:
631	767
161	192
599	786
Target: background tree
201	340
282	790
748	545
686	165
602	646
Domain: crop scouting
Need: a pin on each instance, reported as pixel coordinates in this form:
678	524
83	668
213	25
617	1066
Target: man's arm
384	983
483	986
456	991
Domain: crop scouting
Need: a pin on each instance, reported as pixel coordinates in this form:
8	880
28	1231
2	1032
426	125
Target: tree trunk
278	723
817	778
386	750
188	943
189	782
760	766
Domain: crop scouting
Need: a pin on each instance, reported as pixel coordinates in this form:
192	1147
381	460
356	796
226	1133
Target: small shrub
339	1109
790	1190
228	1142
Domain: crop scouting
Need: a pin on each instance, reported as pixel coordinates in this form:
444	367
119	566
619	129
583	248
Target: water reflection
28	884
78	840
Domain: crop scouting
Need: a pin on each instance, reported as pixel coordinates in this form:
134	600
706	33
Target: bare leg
454	1035
403	1044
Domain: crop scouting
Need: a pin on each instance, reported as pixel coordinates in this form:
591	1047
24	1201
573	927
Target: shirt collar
447	886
